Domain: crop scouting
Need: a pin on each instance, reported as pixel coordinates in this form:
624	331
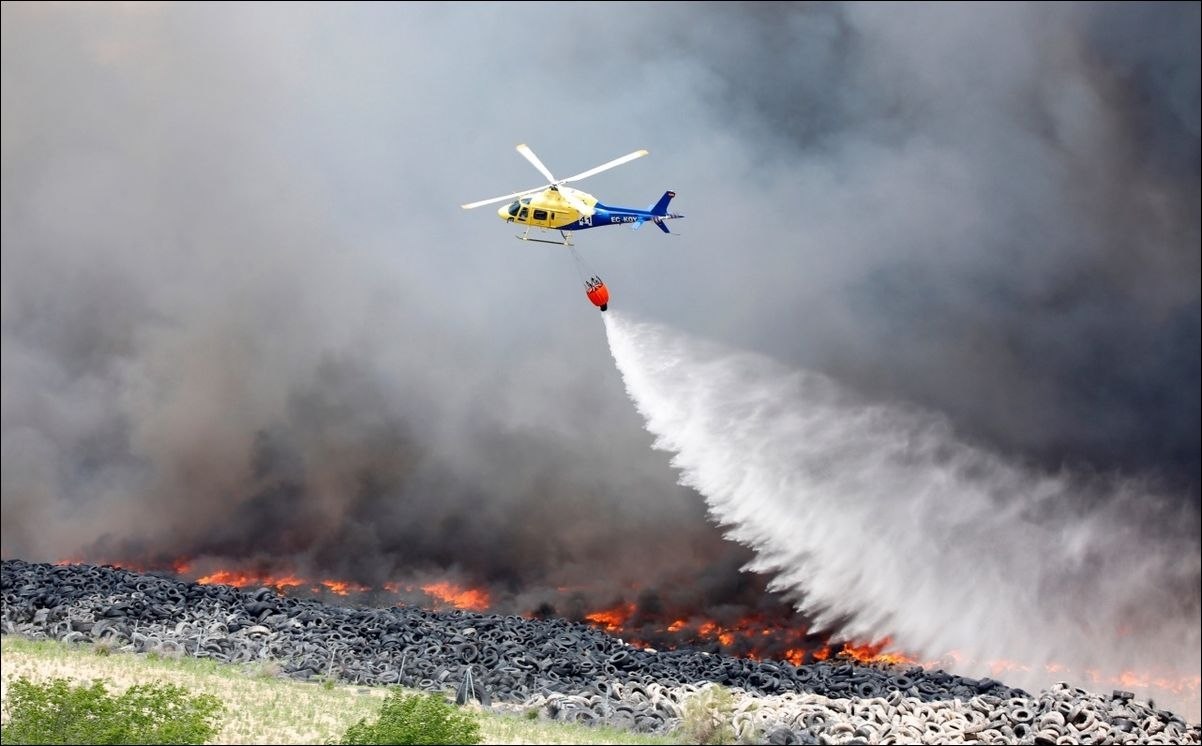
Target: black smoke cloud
244	320
989	210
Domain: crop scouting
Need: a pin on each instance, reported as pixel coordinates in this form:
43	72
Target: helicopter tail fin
659	209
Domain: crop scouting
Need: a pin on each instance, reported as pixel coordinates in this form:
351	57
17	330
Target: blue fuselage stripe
606	215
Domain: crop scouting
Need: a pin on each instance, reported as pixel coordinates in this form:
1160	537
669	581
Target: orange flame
244	579
472	599
871	653
1136	680
612	620
748	636
344	587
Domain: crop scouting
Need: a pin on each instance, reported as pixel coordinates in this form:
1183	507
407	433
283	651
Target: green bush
706	716
416	719
58	713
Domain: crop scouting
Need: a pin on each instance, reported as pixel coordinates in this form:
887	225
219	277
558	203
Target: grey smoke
243	317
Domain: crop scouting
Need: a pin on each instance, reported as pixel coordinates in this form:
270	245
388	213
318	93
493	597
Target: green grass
265	709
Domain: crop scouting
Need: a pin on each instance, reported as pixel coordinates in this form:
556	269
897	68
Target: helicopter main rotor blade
529	155
605	166
575	201
483	202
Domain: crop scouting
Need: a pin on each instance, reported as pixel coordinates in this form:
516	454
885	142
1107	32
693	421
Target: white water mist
878	520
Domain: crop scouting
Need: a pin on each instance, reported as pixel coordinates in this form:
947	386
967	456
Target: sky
244	317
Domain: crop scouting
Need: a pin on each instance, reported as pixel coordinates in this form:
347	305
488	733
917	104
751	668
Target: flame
243	579
612	619
344	587
755	637
1135	680
472	599
872	653
1001	666
1188	685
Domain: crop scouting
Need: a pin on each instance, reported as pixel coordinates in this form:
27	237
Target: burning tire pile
567	671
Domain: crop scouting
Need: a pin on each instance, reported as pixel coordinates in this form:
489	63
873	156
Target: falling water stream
878	520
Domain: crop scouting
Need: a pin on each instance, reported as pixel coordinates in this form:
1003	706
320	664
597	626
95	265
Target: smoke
234	333
243	320
881	520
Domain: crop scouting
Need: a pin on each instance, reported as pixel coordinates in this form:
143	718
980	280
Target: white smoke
878	520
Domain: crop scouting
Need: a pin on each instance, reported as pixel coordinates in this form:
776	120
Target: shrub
57	713
416	719
706	716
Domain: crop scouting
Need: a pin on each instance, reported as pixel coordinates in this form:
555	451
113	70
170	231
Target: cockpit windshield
513	209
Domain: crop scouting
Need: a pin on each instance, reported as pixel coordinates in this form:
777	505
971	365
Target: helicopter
554	206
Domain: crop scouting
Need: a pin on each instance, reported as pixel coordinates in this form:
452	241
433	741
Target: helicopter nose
503	213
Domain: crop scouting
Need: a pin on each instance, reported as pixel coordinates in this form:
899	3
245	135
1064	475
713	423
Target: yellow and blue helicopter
554	206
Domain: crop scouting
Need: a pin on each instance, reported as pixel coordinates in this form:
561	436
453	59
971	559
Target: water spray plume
878	520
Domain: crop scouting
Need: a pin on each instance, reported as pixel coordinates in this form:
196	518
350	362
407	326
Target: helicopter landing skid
567	238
